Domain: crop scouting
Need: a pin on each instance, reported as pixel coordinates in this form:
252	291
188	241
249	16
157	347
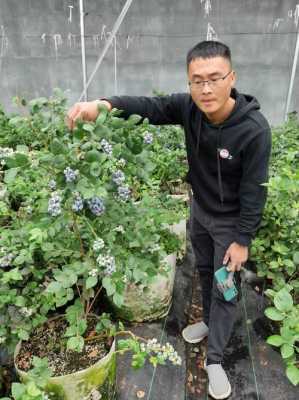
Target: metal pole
115	68
292	75
83	55
108	43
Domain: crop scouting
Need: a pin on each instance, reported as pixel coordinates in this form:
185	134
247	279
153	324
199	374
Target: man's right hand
86	111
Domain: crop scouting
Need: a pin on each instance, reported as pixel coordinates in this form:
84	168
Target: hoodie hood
244	104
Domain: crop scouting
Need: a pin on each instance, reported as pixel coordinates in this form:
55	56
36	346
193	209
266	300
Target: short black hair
208	49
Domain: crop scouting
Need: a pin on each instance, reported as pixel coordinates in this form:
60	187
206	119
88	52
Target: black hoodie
228	163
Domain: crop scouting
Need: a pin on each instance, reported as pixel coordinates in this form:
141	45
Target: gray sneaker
219	386
195	333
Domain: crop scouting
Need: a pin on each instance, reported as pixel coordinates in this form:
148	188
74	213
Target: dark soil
196	376
48	341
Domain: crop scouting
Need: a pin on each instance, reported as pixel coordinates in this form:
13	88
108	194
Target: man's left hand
236	255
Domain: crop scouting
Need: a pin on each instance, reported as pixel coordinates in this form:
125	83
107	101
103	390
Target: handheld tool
225	283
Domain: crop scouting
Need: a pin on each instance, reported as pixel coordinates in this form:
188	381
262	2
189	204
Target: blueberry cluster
52	184
98	244
106	146
165	352
78	202
96	205
118	177
123	193
70	174
108	262
148	138
5	261
54	205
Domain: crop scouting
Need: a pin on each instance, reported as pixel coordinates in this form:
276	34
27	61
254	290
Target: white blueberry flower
107	262
93	272
155	248
121	162
119	228
27	312
98	244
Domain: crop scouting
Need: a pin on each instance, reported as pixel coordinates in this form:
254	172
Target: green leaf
296	257
283	300
75	343
109	286
57	147
95	169
54	287
88	128
134	119
13	275
17	160
75	312
102	115
10	175
71	331
91	282
20	301
293	374
275	340
93	156
23	335
274	314
138	360
22	148
18	391
118	299
59	161
82	326
286	350
32	389
122	344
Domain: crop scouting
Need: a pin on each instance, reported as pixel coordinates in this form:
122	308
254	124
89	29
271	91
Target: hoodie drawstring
219	166
199	134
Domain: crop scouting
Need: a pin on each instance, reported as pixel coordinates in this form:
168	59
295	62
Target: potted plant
62	244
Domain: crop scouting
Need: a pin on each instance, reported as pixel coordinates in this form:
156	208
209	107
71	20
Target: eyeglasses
212	83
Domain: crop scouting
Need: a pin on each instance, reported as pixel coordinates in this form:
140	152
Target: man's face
211	97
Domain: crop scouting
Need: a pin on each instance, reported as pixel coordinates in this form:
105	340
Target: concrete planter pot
180	230
148	303
94	382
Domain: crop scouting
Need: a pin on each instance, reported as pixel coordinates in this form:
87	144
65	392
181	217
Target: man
228	145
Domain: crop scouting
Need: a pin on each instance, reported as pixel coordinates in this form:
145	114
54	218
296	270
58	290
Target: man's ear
233	78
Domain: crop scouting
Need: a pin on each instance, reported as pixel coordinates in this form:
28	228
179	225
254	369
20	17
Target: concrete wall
40	46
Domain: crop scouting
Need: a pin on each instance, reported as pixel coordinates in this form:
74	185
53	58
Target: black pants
210	238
